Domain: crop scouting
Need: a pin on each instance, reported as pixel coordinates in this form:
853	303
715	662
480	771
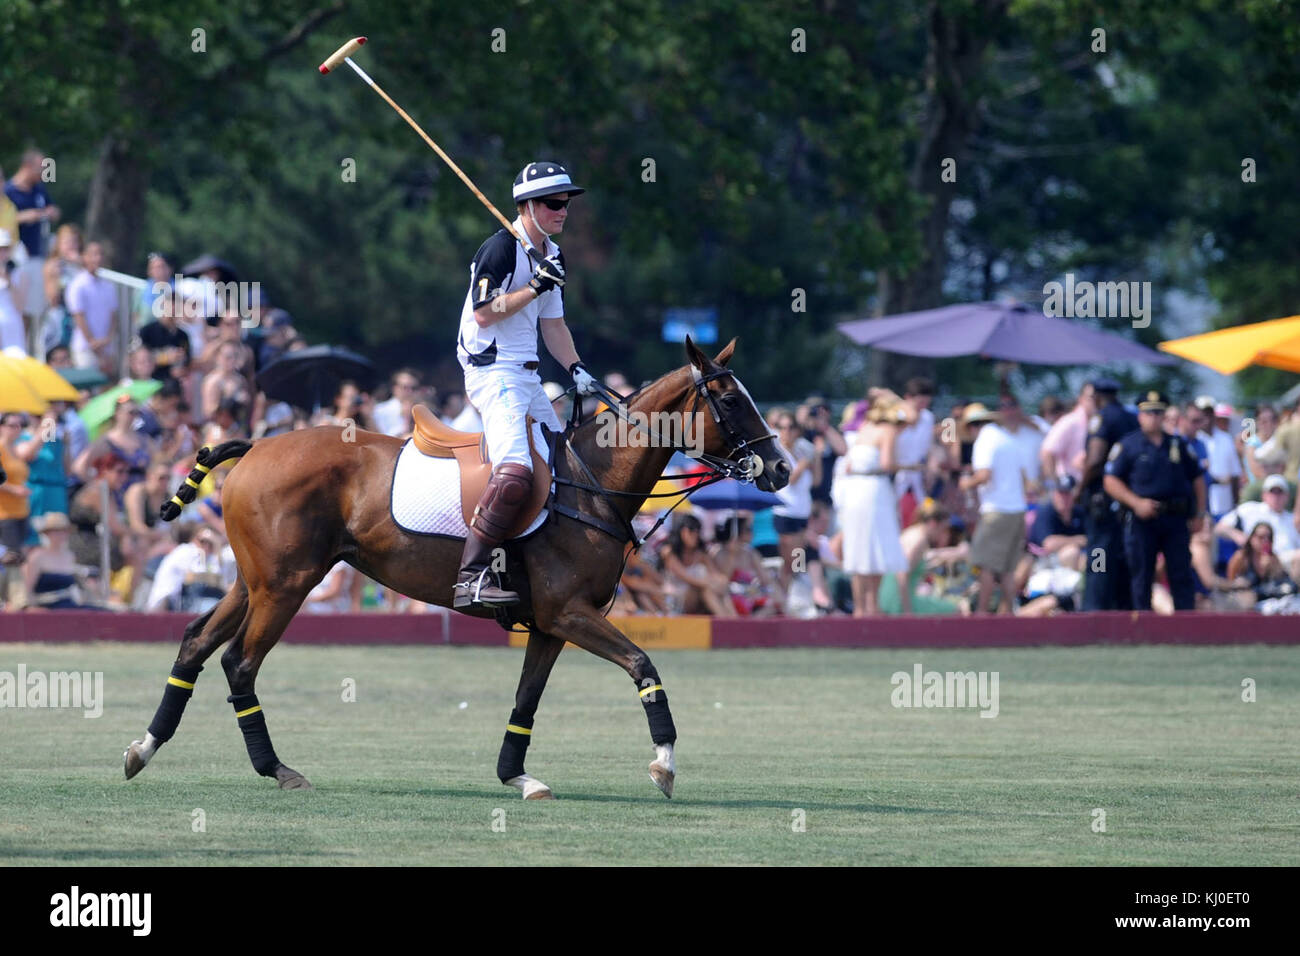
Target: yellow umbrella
1275	344
40	378
15	394
663	486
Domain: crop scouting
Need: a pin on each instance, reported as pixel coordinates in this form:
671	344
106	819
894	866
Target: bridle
725	467
747	467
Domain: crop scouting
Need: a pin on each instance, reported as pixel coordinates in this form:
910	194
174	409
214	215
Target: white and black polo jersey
501	265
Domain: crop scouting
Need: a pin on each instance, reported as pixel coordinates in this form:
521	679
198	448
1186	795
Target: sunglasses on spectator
555	204
1277	491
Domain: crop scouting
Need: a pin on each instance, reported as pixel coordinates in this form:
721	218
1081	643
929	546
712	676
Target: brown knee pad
507	492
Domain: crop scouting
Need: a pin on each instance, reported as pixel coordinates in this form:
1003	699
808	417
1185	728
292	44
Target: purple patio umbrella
1011	331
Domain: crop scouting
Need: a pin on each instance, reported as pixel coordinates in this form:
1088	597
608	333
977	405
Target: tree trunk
957	40
115	211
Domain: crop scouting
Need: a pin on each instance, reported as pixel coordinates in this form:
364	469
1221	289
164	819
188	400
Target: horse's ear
697	358
724	356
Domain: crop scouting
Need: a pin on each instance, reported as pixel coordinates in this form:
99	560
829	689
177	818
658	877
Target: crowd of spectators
78	490
879	517
882	513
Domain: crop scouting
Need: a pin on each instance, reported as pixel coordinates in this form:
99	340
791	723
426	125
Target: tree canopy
780	163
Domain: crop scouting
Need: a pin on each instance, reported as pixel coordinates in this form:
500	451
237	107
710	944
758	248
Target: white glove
583	379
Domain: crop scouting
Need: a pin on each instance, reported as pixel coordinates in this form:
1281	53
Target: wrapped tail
205	461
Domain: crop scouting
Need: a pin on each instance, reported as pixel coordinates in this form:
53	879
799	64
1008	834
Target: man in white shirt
93	303
1000	469
914	442
388	415
468	420
1238	523
196	553
1224	464
1026	434
510	297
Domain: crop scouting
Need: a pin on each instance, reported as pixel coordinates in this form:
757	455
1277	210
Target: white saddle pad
426	493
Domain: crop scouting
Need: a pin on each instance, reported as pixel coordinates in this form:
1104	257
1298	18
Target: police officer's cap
543	179
1152	401
1104	384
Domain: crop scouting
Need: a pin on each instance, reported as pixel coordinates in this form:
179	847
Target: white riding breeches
505	395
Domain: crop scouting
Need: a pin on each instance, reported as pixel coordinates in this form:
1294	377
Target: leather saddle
469	449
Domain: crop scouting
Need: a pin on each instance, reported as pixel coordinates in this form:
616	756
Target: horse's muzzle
774	477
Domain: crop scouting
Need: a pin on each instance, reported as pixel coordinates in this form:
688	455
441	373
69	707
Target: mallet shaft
344	55
436	148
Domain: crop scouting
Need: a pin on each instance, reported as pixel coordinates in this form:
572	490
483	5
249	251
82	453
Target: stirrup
467	593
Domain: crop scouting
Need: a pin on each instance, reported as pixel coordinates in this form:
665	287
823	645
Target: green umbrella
83	378
99	409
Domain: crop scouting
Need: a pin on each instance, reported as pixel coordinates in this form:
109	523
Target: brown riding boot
507	493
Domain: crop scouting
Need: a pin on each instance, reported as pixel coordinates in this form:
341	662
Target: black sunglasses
555	204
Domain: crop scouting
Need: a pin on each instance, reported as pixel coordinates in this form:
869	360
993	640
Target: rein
718	468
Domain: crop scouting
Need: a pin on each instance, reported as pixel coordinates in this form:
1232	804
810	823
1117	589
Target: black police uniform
1165	473
1106	591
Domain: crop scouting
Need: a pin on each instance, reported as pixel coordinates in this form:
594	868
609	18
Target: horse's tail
206	460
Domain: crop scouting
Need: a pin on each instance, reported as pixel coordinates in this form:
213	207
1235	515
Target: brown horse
298	503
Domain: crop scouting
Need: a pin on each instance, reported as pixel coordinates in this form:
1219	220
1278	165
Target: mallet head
339	55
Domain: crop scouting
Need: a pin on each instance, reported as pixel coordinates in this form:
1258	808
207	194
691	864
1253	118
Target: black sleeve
493	268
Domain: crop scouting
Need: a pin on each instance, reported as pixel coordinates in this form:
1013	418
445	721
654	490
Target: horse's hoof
530	787
663	778
290	779
134	759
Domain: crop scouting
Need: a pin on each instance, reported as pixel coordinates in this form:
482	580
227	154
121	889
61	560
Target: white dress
868	515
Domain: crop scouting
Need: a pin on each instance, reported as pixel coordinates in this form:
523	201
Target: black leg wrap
511	761
256	737
175	696
655	702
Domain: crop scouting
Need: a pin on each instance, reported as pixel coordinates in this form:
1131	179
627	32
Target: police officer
1161	486
1105	586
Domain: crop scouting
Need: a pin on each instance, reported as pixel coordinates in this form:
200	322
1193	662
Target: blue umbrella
729	493
1011	331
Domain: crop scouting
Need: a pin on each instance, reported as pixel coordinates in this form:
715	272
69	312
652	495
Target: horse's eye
730	399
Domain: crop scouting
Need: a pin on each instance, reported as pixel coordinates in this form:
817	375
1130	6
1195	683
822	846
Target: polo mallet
344	55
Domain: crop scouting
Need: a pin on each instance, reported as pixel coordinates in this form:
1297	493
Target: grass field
1158	737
